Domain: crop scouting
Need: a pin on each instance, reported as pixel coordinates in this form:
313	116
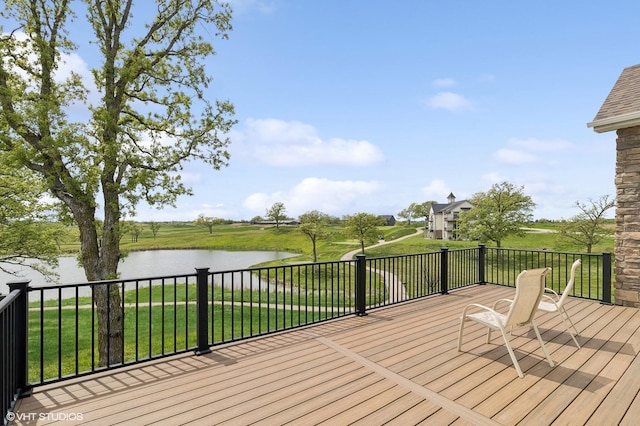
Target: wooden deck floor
397	365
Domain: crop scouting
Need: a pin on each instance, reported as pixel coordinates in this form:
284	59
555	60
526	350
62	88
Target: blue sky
348	106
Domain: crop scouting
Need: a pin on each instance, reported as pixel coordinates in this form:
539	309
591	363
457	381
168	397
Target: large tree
208	222
408	213
313	224
364	227
277	213
586	228
423	210
497	213
147	113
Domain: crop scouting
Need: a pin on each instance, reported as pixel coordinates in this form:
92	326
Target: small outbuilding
389	220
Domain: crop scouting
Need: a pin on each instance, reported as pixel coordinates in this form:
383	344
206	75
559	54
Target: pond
153	263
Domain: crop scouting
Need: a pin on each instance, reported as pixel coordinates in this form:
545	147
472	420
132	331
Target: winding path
396	290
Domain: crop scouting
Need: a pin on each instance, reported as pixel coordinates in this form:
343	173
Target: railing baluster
77	336
59	332
137	322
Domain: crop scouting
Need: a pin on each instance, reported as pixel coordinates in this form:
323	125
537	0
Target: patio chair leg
544	348
511	354
462	321
565	319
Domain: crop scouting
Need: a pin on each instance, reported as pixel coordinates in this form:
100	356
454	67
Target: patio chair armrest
548	290
493	312
495	304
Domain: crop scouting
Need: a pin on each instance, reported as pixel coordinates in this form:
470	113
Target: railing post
482	250
21	336
202	305
606	278
444	270
361	284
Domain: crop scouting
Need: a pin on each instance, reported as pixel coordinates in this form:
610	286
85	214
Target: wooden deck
397	365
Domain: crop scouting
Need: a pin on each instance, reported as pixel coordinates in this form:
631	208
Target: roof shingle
622	103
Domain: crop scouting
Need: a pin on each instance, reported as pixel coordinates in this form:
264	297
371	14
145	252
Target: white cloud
190	178
437	190
328	196
68	63
493	177
512	156
148	139
295	144
532	150
72	62
449	101
541	145
444	82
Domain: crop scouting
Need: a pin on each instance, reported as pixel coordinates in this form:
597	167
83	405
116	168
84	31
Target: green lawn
149	330
165	329
244	236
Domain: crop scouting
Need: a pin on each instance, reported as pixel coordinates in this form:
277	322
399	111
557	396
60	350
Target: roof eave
614	123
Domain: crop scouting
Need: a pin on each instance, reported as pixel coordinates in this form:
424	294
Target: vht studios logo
30	417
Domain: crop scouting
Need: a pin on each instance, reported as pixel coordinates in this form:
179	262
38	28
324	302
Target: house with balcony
443	218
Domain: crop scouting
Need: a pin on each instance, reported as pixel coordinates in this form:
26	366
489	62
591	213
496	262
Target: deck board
398	365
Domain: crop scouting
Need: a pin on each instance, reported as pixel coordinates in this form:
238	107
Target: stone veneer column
627	245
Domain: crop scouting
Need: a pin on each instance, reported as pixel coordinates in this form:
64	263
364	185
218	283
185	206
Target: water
153	263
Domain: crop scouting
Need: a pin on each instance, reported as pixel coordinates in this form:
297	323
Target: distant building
389	220
273	222
443	218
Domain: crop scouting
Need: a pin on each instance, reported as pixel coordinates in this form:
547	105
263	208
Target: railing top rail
403	255
114	281
426	252
8	299
547	251
169	277
289	265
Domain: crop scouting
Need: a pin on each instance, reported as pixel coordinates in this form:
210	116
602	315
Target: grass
550	241
64	347
171	328
247	237
161	319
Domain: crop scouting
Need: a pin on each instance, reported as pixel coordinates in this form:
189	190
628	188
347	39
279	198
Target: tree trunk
100	262
315	252
110	324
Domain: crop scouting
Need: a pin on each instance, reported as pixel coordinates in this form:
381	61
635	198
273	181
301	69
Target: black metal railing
593	279
162	316
158	319
13	347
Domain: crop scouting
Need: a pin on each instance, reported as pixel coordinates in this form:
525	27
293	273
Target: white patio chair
529	290
555	303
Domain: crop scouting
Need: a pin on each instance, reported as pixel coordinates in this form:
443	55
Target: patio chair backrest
572	279
529	290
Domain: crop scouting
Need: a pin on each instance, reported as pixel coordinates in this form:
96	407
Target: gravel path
395	289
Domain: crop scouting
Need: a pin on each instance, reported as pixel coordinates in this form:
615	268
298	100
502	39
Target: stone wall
627	244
